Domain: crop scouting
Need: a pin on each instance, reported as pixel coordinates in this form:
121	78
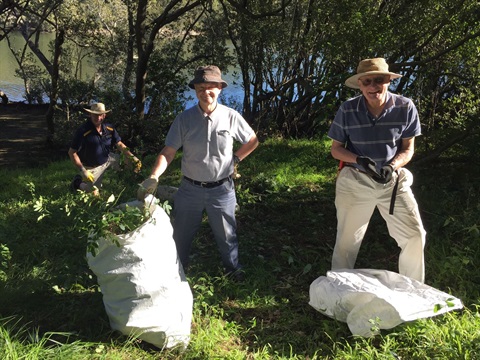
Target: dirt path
23	135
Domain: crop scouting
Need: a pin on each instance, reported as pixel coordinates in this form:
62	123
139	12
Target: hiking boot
237	275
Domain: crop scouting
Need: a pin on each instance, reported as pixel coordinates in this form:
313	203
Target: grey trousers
219	203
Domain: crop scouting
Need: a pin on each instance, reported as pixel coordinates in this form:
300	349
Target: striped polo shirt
207	141
378	138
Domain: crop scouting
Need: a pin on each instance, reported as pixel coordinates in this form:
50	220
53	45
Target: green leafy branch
104	220
95	218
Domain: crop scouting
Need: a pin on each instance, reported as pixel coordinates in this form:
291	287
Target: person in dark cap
92	148
206	132
373	136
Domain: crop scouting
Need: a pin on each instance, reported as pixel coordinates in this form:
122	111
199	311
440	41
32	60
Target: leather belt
394	192
355	168
207	184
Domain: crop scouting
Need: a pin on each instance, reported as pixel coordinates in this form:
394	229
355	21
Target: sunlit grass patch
286	226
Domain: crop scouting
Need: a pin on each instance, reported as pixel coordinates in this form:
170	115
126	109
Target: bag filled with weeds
144	289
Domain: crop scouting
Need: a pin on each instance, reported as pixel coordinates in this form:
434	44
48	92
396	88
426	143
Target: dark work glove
369	166
386	173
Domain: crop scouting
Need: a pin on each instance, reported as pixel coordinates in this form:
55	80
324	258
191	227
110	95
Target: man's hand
148	186
87	175
236	161
386	173
132	162
369	165
137	165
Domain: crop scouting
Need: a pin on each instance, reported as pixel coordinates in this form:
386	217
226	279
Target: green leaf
307	269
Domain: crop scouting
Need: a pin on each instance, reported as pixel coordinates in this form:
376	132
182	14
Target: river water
10	84
14	88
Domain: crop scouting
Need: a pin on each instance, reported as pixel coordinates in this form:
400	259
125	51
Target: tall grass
51	307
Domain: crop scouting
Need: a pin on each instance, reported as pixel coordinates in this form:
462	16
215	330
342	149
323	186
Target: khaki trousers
356	197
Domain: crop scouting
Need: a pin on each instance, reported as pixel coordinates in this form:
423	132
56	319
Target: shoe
75	185
236	276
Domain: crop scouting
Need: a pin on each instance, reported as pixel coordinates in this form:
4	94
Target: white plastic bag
144	289
367	299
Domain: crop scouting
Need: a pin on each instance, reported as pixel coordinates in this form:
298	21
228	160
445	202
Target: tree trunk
55	76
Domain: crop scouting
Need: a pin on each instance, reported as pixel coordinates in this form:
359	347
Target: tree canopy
292	57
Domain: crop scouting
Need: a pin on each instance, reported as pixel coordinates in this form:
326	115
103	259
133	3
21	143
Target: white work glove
148	186
87	175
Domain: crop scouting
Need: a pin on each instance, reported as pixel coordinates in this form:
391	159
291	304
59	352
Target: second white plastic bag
369	299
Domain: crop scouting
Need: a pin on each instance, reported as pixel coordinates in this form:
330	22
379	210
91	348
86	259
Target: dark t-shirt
93	148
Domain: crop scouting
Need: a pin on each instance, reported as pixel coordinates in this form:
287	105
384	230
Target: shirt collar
362	104
92	127
205	115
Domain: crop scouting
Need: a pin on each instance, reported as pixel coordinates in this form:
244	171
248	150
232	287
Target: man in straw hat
91	150
206	132
373	136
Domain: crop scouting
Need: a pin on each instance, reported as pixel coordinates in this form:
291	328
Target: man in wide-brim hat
206	132
373	137
371	67
208	74
97	109
92	148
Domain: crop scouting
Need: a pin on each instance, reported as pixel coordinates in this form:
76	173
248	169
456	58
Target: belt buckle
203	183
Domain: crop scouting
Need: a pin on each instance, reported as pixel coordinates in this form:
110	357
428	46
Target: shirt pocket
224	140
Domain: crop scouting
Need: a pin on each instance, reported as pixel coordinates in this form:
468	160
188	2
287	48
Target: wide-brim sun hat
97	108
376	66
207	74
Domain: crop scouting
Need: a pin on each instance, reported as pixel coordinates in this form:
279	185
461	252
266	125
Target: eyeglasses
379	80
207	86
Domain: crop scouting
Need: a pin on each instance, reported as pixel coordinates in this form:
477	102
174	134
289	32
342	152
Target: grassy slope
287	229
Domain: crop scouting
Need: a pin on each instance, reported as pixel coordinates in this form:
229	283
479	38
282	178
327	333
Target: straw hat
207	74
97	108
376	66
